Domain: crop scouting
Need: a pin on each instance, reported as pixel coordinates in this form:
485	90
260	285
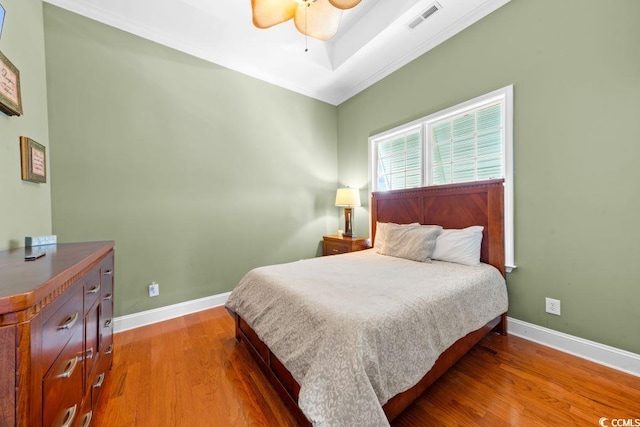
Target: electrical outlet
154	289
552	306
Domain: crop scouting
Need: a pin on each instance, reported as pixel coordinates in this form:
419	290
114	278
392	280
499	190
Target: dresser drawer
335	245
106	306
86	414
107	350
62	385
97	382
335	248
106	323
92	329
92	288
61	326
106	275
106	326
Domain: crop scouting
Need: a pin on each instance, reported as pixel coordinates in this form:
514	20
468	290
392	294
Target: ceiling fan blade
344	4
321	22
267	13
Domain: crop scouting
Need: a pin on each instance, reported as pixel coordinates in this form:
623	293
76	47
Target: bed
337	362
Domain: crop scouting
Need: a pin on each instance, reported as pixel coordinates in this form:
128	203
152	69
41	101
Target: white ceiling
373	39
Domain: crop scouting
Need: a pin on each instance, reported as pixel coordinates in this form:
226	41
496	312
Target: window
467	147
400	161
472	141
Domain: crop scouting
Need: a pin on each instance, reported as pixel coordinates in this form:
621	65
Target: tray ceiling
374	39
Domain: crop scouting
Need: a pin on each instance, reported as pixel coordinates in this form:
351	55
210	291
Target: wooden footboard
279	377
288	388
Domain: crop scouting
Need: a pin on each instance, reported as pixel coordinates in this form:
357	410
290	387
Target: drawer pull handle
69	415
107	272
69	322
108	297
89	354
71	366
86	421
107	323
99	381
94	290
109	349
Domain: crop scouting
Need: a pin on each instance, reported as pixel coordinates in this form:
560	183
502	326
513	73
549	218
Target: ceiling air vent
424	15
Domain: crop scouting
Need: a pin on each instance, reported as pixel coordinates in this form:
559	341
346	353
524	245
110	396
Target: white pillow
381	232
415	243
459	246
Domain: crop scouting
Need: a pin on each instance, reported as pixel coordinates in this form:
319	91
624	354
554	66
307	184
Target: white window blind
471	141
468	147
399	161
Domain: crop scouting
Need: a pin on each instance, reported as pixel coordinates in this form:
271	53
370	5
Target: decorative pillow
415	243
381	232
459	246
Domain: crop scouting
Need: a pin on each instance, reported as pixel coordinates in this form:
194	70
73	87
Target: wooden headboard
451	206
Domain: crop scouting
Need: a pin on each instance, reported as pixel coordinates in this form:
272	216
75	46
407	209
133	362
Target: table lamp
348	198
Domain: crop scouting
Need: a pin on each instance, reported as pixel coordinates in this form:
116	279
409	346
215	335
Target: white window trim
505	95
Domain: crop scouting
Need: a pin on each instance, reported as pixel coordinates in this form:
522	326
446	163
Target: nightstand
334	244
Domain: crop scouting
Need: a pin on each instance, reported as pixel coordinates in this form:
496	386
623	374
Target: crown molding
330	86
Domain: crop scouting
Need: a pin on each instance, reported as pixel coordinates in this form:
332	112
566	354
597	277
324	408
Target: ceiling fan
314	18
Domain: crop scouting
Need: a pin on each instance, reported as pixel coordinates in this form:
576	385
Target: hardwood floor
191	372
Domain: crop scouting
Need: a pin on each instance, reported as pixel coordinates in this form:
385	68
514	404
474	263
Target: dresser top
25	283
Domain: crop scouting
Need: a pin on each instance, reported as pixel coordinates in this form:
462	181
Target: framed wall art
33	160
1	19
10	101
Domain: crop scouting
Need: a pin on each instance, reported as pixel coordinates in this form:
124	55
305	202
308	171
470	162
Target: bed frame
451	206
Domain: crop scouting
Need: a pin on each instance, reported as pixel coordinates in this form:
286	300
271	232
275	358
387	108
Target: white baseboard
602	354
143	318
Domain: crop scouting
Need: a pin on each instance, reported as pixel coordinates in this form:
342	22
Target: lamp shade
348	197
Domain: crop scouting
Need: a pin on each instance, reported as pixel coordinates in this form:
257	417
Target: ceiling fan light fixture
267	13
344	4
319	19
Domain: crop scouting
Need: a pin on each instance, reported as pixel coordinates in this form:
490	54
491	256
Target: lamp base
348	223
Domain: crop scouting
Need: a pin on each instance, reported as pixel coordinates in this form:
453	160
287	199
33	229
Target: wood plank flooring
191	372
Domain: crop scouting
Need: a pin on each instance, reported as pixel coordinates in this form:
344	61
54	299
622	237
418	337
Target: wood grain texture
451	206
187	371
43	358
8	382
335	245
191	372
32	285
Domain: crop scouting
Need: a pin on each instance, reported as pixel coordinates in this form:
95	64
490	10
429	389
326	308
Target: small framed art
34	160
1	19
10	101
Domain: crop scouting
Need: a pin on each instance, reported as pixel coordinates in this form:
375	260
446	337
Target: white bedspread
354	330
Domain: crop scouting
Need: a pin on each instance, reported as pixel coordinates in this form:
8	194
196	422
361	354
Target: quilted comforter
354	330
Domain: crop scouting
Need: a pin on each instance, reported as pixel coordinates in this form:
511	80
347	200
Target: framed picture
1	19
34	160
10	101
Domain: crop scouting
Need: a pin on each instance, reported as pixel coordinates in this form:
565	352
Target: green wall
575	68
199	173
25	207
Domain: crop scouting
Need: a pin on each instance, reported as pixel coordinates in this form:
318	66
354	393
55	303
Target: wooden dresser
56	333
